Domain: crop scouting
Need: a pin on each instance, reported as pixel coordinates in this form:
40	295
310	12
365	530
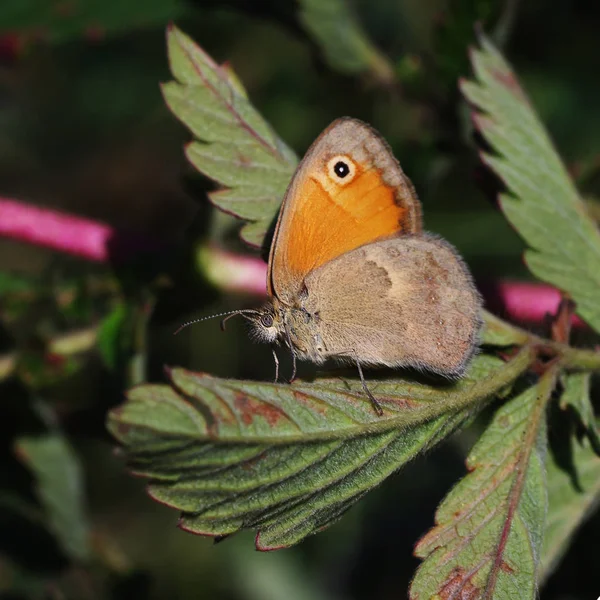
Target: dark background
83	128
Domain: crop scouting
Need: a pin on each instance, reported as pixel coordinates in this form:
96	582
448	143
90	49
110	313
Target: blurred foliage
344	44
84	128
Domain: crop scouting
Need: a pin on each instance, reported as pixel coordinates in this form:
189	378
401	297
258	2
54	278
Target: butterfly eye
341	169
266	320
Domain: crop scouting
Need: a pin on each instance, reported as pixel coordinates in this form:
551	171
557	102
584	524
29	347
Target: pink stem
233	272
78	236
523	301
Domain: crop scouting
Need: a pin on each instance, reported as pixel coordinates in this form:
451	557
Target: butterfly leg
293	367
288	335
276	359
374	401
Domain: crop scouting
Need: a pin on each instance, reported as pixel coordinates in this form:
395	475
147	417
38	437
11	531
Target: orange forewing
320	222
363	211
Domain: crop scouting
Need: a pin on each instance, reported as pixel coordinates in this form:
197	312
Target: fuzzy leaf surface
344	43
573	494
542	204
287	460
487	539
233	146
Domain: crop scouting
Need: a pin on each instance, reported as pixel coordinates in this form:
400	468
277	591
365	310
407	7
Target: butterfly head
267	324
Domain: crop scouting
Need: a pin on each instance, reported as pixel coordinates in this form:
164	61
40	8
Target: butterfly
351	274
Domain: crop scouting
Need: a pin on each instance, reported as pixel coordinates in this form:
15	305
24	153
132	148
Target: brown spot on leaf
123	429
249	464
459	587
244	160
401	403
249	408
508	80
305	399
506	567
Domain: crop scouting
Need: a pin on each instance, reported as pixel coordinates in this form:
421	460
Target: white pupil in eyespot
341	169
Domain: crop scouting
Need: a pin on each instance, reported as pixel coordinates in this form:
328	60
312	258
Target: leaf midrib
238	118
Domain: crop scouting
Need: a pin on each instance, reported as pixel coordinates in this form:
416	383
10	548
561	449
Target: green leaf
344	44
542	204
573	494
235	146
497	332
11	283
110	335
59	489
65	21
576	395
287	460
488	534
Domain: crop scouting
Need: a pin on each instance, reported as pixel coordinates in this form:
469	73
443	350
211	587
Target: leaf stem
545	386
571	358
501	333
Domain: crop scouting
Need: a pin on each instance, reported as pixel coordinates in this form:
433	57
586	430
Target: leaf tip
181	524
472	54
484	156
152	491
261	547
479	32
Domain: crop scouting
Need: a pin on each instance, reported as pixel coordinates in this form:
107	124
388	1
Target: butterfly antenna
227	315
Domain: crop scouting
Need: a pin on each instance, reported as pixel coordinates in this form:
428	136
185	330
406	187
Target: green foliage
14	284
83	129
287	460
59	485
543	204
110	335
342	40
488	534
576	396
65	21
236	147
573	492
